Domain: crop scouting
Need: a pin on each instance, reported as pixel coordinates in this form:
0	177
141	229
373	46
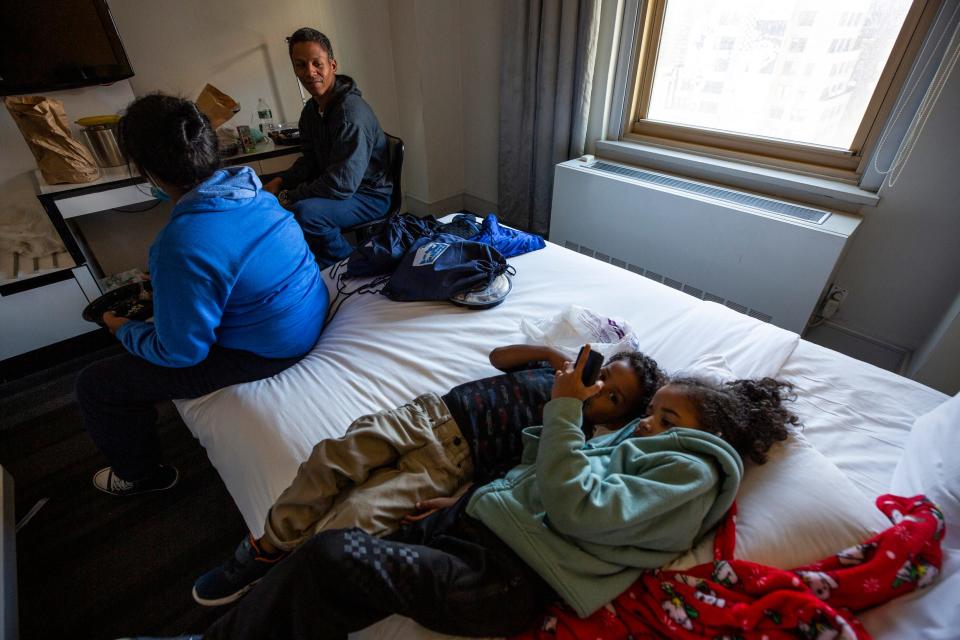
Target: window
721	77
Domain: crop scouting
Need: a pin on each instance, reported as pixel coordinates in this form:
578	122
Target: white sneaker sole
225	600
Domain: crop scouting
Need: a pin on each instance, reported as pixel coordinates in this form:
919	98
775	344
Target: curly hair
749	414
648	372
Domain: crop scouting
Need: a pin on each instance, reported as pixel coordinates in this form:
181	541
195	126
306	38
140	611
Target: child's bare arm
516	355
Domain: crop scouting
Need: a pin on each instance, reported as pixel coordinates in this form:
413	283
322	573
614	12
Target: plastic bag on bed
382	253
572	327
439	267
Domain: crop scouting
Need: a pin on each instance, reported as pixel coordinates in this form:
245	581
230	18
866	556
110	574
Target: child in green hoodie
576	519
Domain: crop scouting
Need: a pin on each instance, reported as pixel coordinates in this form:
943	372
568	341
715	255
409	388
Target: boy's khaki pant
374	475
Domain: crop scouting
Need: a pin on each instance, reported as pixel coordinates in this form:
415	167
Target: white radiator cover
772	266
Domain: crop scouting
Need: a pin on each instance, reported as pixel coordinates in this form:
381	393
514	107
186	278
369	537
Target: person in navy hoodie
342	178
237	295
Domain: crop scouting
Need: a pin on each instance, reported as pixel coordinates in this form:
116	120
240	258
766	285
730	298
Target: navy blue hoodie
231	268
344	149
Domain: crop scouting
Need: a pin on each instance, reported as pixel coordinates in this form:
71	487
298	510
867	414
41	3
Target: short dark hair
748	414
306	34
170	138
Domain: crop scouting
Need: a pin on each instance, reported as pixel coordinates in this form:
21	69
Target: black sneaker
236	576
109	482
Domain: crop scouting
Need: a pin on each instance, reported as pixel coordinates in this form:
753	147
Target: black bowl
133	301
286	136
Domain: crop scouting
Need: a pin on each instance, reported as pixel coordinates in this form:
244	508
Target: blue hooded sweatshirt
230	268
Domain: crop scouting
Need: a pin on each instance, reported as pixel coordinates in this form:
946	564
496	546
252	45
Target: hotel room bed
377	354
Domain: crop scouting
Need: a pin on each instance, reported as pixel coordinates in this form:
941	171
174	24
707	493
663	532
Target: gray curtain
549	53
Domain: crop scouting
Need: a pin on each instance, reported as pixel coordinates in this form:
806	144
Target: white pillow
929	466
711	367
796	509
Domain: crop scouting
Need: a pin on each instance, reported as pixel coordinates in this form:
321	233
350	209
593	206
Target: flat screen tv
48	45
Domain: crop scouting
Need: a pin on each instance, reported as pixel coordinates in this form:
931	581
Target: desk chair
365	230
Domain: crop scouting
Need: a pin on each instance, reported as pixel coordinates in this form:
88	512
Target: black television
49	45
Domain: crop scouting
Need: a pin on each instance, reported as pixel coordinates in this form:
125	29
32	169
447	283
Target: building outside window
741	58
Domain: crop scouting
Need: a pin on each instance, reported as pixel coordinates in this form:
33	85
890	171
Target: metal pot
102	140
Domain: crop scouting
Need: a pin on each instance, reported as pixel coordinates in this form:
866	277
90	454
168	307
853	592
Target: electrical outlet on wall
835	296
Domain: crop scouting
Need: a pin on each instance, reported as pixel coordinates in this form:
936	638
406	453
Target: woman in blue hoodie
237	295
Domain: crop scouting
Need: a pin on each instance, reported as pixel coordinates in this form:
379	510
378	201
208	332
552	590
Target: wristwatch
284	197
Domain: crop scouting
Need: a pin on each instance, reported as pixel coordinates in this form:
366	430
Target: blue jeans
322	219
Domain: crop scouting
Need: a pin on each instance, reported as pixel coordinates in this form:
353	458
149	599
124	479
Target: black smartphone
591	370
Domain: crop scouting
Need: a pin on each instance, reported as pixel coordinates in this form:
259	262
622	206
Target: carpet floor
95	566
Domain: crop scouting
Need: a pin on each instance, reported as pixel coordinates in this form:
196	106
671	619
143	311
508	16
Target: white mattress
377	354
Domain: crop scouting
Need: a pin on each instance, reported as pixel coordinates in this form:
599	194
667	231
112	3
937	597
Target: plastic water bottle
265	116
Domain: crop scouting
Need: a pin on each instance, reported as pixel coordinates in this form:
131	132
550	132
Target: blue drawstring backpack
381	253
440	267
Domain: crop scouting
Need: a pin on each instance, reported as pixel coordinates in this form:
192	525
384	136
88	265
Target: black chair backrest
395	151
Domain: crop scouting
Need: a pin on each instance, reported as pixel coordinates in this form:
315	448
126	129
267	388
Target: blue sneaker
228	582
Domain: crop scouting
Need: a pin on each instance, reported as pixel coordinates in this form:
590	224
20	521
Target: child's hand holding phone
579	380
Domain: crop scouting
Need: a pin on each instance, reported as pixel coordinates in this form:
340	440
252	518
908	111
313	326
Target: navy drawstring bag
439	267
381	253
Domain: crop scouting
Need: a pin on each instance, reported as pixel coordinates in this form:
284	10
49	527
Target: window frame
838	164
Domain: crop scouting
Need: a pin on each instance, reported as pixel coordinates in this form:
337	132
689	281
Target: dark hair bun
170	138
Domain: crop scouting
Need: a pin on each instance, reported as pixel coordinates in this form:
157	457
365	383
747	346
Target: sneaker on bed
236	576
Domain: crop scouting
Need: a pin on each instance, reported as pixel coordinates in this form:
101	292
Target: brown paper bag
43	123
216	105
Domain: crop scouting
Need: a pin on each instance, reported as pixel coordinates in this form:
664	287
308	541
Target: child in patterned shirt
389	463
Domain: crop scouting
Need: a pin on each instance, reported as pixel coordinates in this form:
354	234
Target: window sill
776	182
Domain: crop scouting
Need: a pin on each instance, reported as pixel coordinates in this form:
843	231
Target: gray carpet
92	565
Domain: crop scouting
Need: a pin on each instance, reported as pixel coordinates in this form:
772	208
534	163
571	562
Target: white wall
481	35
406	56
409	58
426	47
937	363
178	46
903	268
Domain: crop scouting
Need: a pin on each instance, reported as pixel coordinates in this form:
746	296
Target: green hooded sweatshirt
590	516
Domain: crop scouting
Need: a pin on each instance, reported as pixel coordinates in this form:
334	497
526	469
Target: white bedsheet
854	413
376	354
